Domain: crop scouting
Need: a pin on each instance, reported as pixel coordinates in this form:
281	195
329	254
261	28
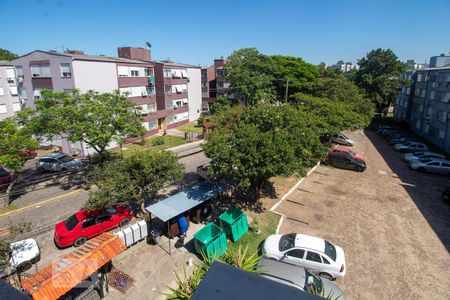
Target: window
144	109
17	107
168	88
408	90
446	165
441	134
152	125
23	93
170	120
220	84
65	70
184	73
313	283
148	72
422	93
88	222
167	73
37	94
432	95
71	222
297	253
19	71
145	125
40	70
169	104
2	92
436	164
419	77
150	90
205	95
176	73
103	218
313	256
11	76
3	109
204	73
330	250
134	73
219	73
111	210
151	107
325	261
286	242
204	84
122	71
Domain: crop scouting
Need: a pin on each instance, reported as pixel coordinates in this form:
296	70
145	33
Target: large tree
250	77
266	141
7	55
96	119
15	140
380	76
135	179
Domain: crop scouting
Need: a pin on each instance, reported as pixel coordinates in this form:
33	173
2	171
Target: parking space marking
292	219
292	201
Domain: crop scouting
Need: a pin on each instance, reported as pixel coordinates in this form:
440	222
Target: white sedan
24	254
432	165
415	158
316	254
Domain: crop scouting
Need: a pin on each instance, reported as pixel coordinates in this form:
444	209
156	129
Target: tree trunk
6	199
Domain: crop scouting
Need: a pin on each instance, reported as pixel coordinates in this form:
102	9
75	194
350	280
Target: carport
184	201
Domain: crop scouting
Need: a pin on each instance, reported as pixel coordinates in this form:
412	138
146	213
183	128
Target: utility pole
287	87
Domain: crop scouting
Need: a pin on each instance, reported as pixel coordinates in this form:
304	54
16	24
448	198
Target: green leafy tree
380	76
135	179
7	55
265	141
14	139
222	103
249	74
292	72
96	119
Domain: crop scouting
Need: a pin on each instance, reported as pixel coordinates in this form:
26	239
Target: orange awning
67	272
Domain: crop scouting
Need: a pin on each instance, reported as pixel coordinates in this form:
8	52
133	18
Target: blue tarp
185	200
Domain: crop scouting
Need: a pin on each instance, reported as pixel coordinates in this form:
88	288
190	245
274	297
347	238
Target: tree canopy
7	55
380	76
96	119
134	179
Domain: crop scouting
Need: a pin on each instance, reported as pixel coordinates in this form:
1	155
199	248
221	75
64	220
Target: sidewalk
187	149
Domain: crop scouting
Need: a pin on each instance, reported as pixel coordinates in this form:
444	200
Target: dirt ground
390	220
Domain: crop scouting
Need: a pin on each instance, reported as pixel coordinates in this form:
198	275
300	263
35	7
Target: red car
347	150
5	176
83	225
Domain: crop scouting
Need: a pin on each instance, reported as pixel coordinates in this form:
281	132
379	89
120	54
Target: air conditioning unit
144	93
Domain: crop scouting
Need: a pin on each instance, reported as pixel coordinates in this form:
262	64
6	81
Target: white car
24	254
341	139
432	165
316	254
421	155
411	147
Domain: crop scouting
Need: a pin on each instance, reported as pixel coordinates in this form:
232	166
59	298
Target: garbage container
156	235
211	240
234	223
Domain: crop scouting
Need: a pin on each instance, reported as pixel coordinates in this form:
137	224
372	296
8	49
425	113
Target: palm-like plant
312	289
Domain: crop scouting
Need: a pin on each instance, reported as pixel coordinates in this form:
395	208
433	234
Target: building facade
9	95
213	83
425	105
145	82
345	66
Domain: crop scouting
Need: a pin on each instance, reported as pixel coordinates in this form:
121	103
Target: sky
196	32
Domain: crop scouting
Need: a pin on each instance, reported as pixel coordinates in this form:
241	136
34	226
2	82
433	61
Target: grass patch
189	127
168	141
268	222
7	209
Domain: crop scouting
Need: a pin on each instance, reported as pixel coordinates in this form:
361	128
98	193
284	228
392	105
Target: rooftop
5	63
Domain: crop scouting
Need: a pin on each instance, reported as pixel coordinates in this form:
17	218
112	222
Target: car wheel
421	169
79	241
40	170
124	222
327	276
24	266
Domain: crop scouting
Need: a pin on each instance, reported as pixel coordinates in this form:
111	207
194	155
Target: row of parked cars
416	153
342	156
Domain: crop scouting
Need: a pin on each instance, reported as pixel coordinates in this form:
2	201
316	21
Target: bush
159	140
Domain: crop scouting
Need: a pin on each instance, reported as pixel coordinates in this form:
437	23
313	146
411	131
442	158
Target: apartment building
345	66
425	105
213	83
9	97
132	72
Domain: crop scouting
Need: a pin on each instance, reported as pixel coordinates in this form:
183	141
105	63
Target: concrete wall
7	99
194	93
94	75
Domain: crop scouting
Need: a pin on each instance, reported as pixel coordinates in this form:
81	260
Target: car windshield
71	222
313	283
330	250
3	172
287	241
66	158
425	160
418	153
351	152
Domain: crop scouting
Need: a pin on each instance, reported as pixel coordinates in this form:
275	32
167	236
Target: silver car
341	139
415	158
299	277
57	162
432	165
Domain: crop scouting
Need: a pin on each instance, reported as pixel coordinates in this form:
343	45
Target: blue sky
196	32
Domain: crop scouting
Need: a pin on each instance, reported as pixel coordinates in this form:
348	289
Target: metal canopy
179	203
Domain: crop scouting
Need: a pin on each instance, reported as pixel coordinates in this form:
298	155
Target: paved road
49	205
390	221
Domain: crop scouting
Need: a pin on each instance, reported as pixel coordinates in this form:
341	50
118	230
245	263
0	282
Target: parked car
411	147
446	194
383	127
401	140
420	153
316	254
347	150
344	160
395	135
84	224
341	139
5	176
298	277
412	159
387	132
21	256
432	165
58	162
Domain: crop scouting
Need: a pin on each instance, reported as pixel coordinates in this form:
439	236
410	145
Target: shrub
159	140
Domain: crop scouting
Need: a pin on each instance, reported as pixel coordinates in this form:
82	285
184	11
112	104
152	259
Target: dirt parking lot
390	221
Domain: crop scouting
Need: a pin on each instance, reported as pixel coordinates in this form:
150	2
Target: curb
272	209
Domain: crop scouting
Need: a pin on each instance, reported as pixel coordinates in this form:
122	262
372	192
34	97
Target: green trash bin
211	240
234	223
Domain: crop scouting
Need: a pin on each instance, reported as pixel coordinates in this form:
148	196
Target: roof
282	270
5	63
311	242
175	64
9	292
179	203
244	285
67	272
434	69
